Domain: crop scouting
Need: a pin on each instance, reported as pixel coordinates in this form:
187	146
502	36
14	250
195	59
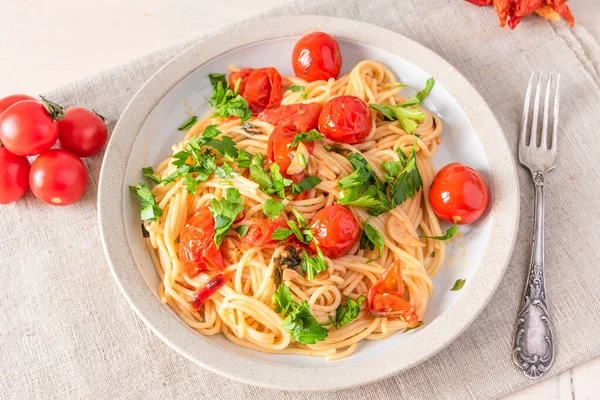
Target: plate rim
466	307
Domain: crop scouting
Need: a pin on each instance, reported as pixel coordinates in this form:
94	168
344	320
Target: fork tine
544	141
536	113
554	143
524	120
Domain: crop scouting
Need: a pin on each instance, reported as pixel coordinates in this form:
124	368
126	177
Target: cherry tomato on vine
346	119
58	177
335	229
197	249
277	148
29	127
317	56
384	298
14	176
82	132
10	100
260	87
458	193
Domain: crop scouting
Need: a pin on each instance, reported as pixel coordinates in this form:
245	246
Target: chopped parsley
242	230
305	184
224	212
458	285
227	102
273	183
305	137
448	235
300	322
301	89
371	238
150	209
272	208
348	313
407	117
408	182
187	124
150	174
313	265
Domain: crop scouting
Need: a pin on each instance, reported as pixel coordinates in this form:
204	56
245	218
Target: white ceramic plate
147	129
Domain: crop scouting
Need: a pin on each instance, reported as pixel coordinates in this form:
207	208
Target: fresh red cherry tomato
277	148
346	119
261	87
82	132
58	177
300	117
10	100
384	298
335	229
197	249
458	193
28	127
317	56
215	283
14	176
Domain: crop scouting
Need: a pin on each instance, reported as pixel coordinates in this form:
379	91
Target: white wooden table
44	44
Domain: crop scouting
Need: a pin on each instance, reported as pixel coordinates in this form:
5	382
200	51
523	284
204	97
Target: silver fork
533	345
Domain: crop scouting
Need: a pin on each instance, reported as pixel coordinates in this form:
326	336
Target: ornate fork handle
533	345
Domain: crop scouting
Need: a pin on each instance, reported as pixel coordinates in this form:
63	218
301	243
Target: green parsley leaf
305	184
422	94
458	285
282	298
225	171
420	324
242	230
257	172
449	233
190	182
406	116
392	168
301	89
243	159
305	137
226	101
349	312
188	124
225	146
150	174
303	326
224	212
272	208
313	265
279	182
373	239
281	234
150	209
408	182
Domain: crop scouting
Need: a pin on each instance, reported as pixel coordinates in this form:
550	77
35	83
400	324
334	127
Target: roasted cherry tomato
346	119
215	283
197	249
277	148
299	117
10	100
260	87
14	176
82	132
27	128
316	57
58	177
384	298
259	234
335	230
458	193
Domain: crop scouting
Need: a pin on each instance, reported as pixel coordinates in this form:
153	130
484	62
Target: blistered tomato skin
317	56
346	119
458	193
335	229
197	249
14	176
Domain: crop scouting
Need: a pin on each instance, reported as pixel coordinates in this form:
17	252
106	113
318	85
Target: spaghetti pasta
242	308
